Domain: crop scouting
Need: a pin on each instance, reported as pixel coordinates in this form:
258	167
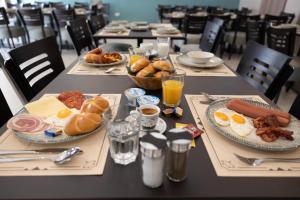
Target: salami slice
26	123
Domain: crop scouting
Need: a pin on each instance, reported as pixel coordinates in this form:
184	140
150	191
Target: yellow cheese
45	106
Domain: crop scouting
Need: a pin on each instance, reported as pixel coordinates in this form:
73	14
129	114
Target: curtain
273	7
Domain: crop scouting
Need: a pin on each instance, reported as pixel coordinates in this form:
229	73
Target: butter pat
45	107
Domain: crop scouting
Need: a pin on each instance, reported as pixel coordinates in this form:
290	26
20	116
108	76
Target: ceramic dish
160	127
124	59
213	62
41	138
252	140
114	29
167	31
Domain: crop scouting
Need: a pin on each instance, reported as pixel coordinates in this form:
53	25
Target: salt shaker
179	145
153	159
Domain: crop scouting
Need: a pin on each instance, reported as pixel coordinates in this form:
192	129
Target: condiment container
132	94
179	145
148	99
153	158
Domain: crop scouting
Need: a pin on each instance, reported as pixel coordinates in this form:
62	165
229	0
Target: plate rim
195	65
238	140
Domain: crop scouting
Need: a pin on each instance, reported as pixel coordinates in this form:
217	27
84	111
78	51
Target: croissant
96	105
147	71
95	51
93	58
139	64
82	123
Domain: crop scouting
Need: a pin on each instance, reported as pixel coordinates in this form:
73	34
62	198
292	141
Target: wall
254	5
292	6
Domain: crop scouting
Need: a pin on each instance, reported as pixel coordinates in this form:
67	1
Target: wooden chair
275	20
33	22
4	110
295	108
265	69
282	39
34	66
209	41
10	32
255	31
61	17
80	35
194	24
290	16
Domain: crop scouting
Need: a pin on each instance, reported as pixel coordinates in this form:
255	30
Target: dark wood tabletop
126	181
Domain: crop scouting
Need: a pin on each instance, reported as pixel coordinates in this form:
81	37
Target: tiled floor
69	56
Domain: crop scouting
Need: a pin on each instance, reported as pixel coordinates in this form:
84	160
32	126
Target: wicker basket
148	83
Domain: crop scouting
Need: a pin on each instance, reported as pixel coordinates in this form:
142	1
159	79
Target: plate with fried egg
240	128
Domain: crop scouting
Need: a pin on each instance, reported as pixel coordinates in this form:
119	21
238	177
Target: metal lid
153	145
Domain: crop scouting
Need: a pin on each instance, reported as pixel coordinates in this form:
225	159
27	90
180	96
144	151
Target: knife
33	151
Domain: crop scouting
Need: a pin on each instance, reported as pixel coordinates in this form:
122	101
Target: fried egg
62	117
222	116
240	124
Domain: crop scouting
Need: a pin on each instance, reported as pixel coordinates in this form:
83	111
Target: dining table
126	181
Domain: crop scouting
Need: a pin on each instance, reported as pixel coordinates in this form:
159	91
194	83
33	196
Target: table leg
139	41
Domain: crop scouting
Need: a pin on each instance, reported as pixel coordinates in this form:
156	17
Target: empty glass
163	47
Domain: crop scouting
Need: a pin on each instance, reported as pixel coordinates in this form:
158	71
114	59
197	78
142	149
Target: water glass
135	54
172	87
163	47
124	141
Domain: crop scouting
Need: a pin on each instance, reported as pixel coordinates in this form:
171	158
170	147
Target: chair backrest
119	47
255	31
295	108
81	5
31	17
218	21
62	16
80	35
179	8
211	37
290	16
275	20
195	24
241	22
4	110
54	4
3	17
34	66
265	69
282	39
96	22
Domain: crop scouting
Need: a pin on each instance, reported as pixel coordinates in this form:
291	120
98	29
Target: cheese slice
45	106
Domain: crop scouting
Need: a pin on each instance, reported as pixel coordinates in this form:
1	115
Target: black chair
290	16
209	41
194	24
295	108
179	8
61	17
95	24
10	32
275	20
4	110
34	66
80	35
112	47
255	31
162	10
265	69
81	5
33	22
282	39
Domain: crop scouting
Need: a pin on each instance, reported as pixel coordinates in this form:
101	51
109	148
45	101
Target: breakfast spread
97	56
264	122
68	113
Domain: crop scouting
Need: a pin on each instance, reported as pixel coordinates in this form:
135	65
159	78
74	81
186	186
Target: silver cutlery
258	161
210	98
32	151
111	69
59	159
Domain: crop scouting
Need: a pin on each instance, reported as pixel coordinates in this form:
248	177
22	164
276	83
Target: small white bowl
200	56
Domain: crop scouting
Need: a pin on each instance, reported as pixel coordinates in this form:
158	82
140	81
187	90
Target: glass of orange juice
135	54
172	87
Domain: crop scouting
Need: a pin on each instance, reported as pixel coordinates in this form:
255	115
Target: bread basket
148	83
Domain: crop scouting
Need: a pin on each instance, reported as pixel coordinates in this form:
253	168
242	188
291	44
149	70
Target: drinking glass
172	86
163	47
135	54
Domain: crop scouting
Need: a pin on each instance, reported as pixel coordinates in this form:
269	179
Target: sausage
255	111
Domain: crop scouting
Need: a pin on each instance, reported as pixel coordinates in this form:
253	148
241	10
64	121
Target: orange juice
172	91
134	58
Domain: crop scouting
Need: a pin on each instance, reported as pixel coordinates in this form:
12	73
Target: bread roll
96	105
95	51
93	58
82	123
161	74
139	64
163	65
147	71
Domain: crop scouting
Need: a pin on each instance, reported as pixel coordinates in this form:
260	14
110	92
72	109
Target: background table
126	181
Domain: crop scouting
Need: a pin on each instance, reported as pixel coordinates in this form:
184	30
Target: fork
258	161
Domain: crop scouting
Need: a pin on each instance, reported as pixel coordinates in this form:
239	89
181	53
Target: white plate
114	29
161	126
213	62
139	23
124	59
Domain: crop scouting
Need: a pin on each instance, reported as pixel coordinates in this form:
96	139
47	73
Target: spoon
57	159
110	70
